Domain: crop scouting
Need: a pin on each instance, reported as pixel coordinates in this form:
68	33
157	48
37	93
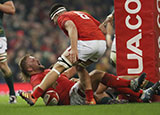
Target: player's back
87	26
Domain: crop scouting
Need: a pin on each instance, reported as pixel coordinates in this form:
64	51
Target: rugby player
7	7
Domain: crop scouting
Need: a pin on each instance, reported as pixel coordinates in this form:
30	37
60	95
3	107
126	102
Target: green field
21	108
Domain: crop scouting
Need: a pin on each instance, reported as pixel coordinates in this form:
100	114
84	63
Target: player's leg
9	80
89	53
6	70
86	51
100	90
86	80
110	80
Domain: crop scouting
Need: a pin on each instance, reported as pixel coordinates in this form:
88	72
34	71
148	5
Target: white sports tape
56	71
66	60
62	9
63	64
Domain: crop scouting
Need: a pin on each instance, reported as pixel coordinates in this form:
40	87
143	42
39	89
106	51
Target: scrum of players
55	86
66	91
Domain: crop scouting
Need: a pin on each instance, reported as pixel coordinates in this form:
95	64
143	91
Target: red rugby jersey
63	86
87	26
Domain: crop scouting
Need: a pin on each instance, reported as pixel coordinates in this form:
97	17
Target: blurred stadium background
31	31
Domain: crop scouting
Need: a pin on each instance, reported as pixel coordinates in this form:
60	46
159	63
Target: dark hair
54	8
23	66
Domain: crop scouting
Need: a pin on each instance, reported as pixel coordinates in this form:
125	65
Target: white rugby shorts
91	50
3	44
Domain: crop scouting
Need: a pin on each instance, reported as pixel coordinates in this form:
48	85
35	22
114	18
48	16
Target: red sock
130	92
37	93
89	94
114	81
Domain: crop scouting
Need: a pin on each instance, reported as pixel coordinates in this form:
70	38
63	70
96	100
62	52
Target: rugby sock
89	94
129	92
37	93
114	81
9	82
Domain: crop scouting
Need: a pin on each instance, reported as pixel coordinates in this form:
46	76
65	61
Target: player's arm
109	34
8	7
73	35
107	21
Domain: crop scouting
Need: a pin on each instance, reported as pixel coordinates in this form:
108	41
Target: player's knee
58	68
96	72
79	68
63	61
5	69
3	58
3	65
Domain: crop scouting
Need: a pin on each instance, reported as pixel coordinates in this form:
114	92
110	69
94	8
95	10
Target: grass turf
21	108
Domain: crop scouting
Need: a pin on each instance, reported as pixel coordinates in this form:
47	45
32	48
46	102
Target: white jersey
113	48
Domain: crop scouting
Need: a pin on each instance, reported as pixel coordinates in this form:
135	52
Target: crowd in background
31	31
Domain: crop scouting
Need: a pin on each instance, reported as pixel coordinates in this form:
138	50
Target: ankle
89	94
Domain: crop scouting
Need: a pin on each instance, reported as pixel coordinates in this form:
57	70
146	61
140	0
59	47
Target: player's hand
74	80
109	19
73	55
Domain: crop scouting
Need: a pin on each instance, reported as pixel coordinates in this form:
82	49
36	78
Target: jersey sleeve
36	80
62	20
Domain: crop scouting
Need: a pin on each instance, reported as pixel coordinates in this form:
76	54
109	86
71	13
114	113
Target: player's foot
91	102
12	99
157	92
27	97
148	93
136	83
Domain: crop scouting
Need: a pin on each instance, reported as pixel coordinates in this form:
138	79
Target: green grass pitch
21	108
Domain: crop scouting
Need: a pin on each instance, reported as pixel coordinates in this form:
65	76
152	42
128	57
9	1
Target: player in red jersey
73	93
87	46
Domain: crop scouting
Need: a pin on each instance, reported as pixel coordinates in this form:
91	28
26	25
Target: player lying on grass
73	93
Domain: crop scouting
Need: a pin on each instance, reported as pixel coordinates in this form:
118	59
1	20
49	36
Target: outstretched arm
108	20
8	7
107	28
73	35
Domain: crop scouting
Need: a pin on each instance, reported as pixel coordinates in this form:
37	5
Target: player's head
55	10
30	65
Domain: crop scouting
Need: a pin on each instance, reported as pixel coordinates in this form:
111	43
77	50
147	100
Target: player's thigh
64	59
91	50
